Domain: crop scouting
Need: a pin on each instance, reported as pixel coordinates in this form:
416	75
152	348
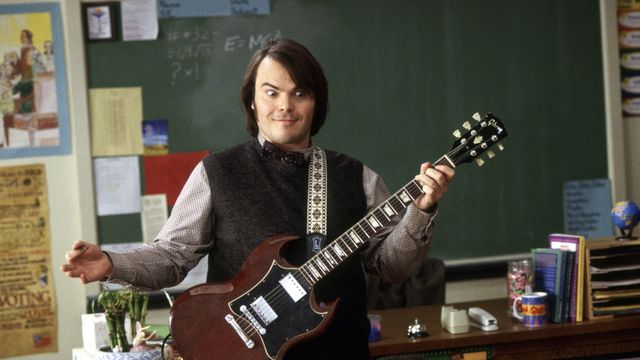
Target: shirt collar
306	151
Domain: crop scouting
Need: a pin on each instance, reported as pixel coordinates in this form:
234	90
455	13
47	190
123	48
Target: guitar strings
276	298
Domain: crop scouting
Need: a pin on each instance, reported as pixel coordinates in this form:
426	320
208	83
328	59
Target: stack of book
559	271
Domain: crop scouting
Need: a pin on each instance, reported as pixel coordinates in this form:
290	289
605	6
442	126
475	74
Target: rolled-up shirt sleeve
183	240
400	248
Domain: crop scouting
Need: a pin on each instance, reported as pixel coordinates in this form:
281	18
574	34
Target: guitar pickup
293	287
264	311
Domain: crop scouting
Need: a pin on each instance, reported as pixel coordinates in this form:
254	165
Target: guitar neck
469	146
364	230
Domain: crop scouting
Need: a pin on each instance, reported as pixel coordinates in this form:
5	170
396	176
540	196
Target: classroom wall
70	185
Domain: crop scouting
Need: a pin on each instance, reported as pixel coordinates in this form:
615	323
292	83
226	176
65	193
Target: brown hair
304	70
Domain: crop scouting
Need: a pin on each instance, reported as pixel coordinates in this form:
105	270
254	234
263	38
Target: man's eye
271	93
301	93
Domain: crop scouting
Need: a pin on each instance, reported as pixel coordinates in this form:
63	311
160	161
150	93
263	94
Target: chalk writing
250	42
190	50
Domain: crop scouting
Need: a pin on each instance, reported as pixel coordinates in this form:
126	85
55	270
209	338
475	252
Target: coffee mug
533	307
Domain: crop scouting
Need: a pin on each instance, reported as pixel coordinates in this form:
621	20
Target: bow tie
270	151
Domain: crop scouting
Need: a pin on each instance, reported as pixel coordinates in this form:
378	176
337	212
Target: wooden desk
513	340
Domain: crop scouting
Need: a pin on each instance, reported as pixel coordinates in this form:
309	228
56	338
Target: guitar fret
305	275
329	258
355	239
404	197
323	268
346	244
386	219
389	210
361	225
338	250
374	222
314	272
414	189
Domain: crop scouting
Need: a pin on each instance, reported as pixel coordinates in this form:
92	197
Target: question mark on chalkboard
176	69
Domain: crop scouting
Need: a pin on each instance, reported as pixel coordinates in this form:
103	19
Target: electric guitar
269	305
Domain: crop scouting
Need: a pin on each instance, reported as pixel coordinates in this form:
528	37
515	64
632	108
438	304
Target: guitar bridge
247	314
232	321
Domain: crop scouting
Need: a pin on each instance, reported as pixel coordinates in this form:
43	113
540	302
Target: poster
27	297
33	94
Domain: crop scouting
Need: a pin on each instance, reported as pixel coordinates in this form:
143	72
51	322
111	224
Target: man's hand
87	262
435	181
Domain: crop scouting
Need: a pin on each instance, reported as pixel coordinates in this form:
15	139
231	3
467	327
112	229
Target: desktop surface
512	339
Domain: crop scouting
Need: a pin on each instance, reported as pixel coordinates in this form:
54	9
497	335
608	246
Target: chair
425	287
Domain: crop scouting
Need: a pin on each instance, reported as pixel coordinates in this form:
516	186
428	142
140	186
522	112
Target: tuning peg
477	117
457	134
491	154
500	146
479	162
466	125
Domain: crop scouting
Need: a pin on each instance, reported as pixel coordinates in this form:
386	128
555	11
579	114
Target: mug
533	308
375	331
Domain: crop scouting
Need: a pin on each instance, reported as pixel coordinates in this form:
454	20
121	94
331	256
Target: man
238	197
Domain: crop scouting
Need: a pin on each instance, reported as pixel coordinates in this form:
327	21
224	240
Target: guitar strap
317	202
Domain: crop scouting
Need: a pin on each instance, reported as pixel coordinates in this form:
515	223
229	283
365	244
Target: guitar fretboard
367	228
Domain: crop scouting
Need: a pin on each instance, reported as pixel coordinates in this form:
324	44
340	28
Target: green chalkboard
403	75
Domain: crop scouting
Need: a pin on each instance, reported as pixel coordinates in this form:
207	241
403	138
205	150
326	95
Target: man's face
284	111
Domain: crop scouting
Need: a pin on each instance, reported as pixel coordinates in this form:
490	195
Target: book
576	244
548	277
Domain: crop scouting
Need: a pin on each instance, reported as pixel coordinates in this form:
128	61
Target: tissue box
95	333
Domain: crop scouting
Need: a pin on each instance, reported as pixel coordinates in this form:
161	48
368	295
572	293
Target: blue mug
534	308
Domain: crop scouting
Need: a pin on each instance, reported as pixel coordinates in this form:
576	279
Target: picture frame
100	21
34	107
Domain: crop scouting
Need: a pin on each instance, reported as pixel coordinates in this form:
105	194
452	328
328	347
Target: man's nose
284	103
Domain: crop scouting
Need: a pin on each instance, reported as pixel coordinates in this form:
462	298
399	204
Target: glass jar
519	280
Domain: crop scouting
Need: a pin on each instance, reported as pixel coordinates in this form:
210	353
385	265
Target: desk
513	340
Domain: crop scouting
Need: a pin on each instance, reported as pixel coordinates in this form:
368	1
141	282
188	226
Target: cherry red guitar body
208	322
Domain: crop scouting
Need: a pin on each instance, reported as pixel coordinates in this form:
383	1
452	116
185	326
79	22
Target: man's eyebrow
270	85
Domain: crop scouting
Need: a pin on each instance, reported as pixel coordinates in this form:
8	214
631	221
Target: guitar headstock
477	140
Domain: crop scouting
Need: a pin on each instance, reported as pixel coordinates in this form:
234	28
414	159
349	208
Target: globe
625	215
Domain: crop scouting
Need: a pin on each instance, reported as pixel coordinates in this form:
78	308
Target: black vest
254	198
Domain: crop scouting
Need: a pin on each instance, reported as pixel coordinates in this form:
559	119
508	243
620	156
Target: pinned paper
154	214
139	20
117	185
155	137
167	174
116	115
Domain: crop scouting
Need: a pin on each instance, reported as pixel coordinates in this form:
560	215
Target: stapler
481	319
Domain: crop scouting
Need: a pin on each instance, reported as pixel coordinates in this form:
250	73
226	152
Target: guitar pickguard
277	313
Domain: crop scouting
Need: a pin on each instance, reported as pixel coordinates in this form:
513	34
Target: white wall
69	187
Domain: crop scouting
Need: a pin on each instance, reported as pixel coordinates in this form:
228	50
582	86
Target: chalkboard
403	76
